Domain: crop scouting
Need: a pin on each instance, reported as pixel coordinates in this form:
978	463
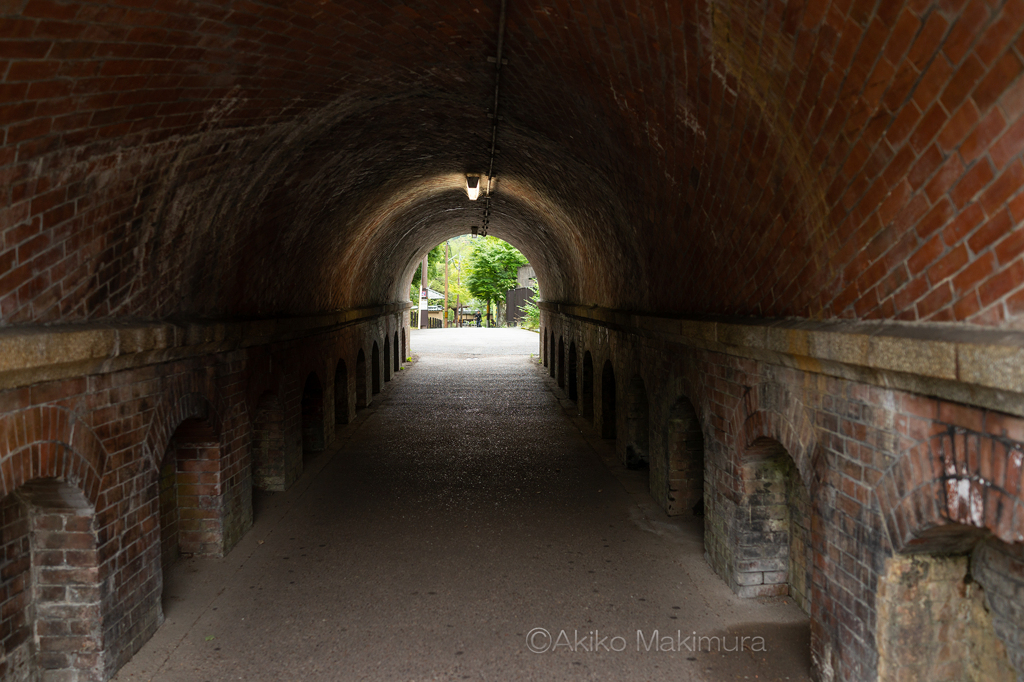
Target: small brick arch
945	492
771	411
167	419
683	459
50	442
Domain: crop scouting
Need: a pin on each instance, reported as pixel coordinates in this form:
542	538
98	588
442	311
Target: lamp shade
473	186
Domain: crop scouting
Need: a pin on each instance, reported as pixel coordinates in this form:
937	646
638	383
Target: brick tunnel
779	246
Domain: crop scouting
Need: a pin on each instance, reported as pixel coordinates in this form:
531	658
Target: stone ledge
977	366
45	353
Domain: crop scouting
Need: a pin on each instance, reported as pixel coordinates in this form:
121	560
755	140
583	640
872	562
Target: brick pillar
933	623
999	568
51	624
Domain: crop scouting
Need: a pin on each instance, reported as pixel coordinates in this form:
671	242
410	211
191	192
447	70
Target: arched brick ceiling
820	159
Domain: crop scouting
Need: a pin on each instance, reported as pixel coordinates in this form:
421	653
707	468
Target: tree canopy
481	270
435	270
493	267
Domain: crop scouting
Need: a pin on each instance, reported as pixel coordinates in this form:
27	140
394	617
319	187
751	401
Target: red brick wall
107	435
844	159
823	159
884	472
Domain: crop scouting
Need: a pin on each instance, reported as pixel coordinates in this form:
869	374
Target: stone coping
37	353
972	365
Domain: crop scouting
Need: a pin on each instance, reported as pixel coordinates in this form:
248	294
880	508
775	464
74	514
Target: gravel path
468	507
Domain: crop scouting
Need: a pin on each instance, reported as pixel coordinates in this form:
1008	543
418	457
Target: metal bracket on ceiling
492	114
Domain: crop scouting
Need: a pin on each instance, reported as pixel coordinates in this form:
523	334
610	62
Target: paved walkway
464	509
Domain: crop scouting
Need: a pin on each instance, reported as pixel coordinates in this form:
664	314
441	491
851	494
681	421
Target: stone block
748	578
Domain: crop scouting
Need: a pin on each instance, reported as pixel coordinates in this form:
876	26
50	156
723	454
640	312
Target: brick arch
684	456
50	442
166	419
945	492
771	411
317	370
263	376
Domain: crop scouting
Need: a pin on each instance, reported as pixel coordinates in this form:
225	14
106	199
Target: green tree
435	272
531	311
493	267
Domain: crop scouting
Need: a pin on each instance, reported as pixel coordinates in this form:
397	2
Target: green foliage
435	272
531	312
480	271
493	268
